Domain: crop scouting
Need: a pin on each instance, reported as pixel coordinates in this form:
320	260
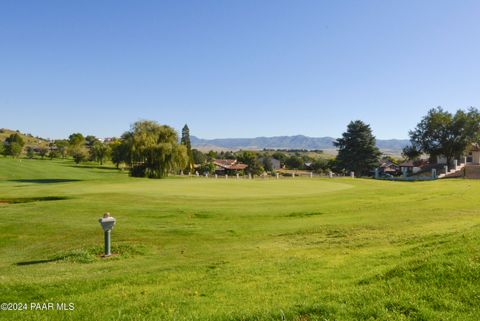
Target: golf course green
192	248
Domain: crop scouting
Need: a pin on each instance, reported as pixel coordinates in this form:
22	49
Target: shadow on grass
19	200
90	255
94	167
46	180
37	262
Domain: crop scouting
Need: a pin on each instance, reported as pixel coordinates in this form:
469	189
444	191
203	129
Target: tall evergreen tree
357	150
186	141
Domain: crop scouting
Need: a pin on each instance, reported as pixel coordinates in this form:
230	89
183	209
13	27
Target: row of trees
153	150
262	161
79	147
148	149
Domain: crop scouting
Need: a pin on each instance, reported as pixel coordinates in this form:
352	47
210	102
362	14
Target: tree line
150	149
261	162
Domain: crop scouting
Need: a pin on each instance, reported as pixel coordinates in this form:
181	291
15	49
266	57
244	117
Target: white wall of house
441	160
476	157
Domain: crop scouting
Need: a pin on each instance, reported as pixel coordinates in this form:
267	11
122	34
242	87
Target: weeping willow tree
153	150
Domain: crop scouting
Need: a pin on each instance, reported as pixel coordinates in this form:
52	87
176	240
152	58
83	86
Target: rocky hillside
29	139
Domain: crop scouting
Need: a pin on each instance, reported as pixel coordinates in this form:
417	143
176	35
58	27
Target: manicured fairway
206	249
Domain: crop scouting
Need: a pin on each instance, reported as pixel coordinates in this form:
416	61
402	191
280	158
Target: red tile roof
224	162
229	164
238	166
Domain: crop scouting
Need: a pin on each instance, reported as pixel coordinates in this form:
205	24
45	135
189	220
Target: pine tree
186	141
357	150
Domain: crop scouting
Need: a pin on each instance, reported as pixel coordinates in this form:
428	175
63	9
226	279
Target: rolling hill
29	139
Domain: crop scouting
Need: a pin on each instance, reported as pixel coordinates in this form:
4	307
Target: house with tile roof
228	166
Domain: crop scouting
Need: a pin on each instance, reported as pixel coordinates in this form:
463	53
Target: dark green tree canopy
294	162
119	151
30	152
442	133
13	145
62	147
15	138
411	152
280	156
79	153
53	153
42	151
320	165
267	163
198	157
2	149
76	139
357	150
90	140
76	147
250	159
211	155
99	151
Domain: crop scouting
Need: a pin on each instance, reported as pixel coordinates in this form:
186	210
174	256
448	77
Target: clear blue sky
235	68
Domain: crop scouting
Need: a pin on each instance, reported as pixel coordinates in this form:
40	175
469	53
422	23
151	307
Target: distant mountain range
393	146
387	146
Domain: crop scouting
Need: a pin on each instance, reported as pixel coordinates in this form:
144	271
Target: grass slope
198	249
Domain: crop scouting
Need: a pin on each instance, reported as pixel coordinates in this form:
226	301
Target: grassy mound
206	249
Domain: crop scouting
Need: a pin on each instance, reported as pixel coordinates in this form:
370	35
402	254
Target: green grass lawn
206	249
